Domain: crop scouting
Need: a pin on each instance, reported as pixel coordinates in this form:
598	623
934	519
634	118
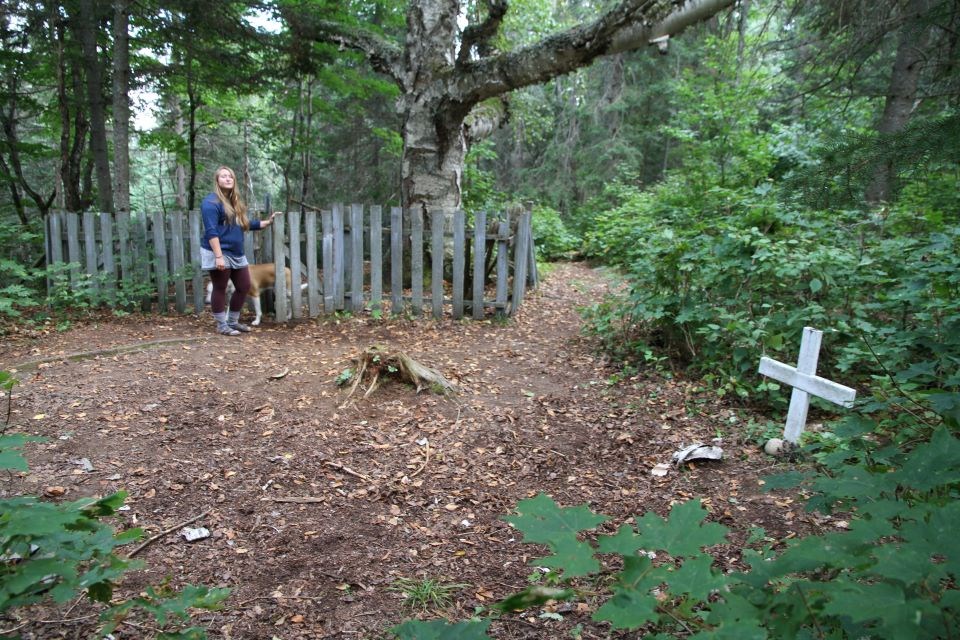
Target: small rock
774	447
190	534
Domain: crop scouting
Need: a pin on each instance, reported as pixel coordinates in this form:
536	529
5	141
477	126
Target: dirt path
399	485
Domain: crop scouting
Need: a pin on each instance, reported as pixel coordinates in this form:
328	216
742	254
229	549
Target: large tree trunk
434	148
901	101
121	104
71	150
98	120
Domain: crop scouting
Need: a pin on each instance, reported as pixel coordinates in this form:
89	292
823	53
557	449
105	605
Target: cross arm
812	384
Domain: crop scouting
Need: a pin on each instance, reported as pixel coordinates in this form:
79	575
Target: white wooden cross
805	382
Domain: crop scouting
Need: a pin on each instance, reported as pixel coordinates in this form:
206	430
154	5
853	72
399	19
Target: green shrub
553	239
717	289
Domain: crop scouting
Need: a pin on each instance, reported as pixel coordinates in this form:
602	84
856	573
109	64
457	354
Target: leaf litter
307	492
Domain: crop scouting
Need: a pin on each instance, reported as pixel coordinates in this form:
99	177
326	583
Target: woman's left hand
274	215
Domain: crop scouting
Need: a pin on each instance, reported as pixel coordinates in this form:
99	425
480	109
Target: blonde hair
233	205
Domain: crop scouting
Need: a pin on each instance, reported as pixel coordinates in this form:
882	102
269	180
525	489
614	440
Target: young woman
221	249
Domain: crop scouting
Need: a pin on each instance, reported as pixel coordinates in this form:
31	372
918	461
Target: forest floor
396	486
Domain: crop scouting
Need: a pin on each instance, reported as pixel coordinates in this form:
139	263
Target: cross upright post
805	381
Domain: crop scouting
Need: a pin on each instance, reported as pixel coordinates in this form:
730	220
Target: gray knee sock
233	317
221	318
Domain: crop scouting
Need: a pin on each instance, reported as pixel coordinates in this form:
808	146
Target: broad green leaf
947	405
697	577
934	464
542	521
572	556
683	534
625	541
628	610
862	602
441	630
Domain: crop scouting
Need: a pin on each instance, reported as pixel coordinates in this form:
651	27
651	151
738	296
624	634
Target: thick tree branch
384	56
480	34
629	25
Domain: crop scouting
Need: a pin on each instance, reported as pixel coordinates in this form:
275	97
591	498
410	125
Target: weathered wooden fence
351	258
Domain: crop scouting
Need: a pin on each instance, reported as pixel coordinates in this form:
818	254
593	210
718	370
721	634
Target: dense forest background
777	164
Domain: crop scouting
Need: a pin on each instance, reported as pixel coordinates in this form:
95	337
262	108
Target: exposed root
375	364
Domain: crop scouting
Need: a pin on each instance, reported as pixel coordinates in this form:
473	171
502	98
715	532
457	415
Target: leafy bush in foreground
893	574
59	551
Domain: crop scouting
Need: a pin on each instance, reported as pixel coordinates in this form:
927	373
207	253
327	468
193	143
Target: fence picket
198	293
280	285
176	261
90	248
160	262
329	299
520	262
459	261
437	219
313	283
109	266
396	260
376	258
479	262
338	266
123	246
356	257
502	266
416	260
296	297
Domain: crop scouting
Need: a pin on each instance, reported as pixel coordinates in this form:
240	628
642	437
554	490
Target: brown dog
262	276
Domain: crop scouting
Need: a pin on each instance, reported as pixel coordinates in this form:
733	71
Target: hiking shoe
239	326
227	330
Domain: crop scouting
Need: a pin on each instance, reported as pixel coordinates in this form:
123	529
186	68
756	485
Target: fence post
193	218
376	258
338	268
90	248
416	259
160	260
520	250
109	265
503	267
55	220
280	286
436	261
396	260
73	246
533	276
329	288
176	261
296	298
356	257
127	277
313	297
479	262
459	261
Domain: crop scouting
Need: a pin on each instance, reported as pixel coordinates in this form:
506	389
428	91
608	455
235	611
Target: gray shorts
208	260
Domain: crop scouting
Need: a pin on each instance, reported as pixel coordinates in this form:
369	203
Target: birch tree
453	79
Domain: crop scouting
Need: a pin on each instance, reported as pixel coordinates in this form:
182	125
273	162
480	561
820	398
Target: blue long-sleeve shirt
215	226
